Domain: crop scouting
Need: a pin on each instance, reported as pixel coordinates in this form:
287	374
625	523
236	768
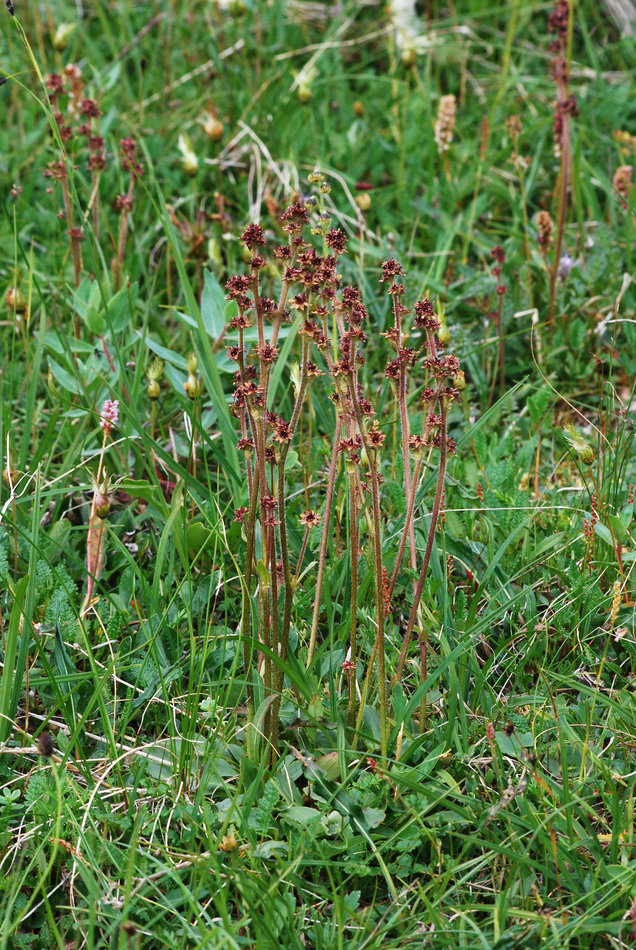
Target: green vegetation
316	525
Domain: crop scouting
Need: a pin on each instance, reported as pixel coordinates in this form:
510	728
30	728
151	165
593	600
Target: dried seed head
622	180
212	127
228	842
545	229
513	127
445	123
616	602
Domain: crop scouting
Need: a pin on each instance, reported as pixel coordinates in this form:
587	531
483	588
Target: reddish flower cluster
253	236
129	160
310	519
589	526
558	23
318	298
70	87
425	318
440	367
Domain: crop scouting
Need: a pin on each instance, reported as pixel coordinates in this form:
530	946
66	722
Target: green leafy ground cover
167	779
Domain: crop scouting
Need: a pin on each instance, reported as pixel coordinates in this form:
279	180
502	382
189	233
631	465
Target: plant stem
323	543
409	520
429	548
353	543
563	199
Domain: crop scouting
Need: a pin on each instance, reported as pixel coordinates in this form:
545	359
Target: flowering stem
75	248
280	647
437	502
404	422
409	521
323	543
563	199
500	353
118	262
303	548
379	599
409	513
95	534
377	561
353	543
566	105
246	612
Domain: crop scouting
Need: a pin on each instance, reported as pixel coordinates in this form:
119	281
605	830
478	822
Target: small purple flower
109	416
565	266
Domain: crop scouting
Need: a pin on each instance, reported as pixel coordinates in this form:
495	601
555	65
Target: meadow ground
316	522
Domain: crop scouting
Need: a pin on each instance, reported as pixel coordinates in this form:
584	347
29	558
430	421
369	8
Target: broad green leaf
213	306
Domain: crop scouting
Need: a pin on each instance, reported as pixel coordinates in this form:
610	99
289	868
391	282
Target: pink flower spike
109	415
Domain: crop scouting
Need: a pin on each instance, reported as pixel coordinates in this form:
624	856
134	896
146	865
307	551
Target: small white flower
404	19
